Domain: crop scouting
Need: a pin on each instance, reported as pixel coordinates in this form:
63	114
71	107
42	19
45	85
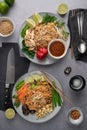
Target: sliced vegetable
9	113
17	103
37	18
14	96
32	86
56	99
23	32
19	85
41	53
22	92
30	22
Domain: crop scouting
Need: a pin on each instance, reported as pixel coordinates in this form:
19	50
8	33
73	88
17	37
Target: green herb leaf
15	96
17	103
48	18
60	23
66	34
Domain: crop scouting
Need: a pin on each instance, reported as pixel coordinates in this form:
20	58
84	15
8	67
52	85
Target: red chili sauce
57	48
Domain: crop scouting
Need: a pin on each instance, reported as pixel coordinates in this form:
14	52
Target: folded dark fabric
73	26
21	67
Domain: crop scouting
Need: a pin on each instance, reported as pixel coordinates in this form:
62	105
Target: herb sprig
48	18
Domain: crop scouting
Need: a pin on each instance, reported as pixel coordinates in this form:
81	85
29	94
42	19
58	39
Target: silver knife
10	77
10	70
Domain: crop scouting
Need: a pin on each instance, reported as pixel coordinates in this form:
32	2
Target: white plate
32	117
47	60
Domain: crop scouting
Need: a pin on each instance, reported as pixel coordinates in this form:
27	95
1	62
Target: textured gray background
19	12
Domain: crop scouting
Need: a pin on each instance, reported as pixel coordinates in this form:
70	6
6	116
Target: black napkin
21	67
73	26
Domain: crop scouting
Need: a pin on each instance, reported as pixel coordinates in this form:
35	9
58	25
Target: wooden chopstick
58	90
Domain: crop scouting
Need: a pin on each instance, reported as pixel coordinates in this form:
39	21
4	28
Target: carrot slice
22	92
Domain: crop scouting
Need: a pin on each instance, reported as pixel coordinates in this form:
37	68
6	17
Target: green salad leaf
26	50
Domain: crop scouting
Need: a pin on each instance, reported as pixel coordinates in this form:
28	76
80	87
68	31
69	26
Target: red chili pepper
41	53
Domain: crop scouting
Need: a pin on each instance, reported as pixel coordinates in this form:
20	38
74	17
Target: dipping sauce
57	48
6	27
75	114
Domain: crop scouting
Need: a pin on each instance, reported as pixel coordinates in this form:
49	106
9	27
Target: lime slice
37	18
31	22
62	8
10	113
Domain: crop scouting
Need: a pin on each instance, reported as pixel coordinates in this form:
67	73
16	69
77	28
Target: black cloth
21	67
73	26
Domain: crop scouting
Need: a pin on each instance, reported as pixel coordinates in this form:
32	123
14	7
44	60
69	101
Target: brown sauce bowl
57	48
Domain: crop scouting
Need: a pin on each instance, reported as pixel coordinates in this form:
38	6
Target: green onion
19	85
56	99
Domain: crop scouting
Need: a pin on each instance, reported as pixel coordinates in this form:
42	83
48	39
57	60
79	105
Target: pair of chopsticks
72	49
58	90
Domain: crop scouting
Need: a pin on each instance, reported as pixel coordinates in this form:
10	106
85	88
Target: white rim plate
47	60
31	117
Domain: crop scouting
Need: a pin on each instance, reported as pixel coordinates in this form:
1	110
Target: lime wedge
10	113
31	22
37	18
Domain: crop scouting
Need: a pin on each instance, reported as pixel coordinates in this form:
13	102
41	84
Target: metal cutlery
82	45
10	74
73	12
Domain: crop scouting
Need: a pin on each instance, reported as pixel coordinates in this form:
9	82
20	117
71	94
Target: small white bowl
77	121
12	23
63	45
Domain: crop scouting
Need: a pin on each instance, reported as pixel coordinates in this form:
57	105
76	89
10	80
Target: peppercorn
67	70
